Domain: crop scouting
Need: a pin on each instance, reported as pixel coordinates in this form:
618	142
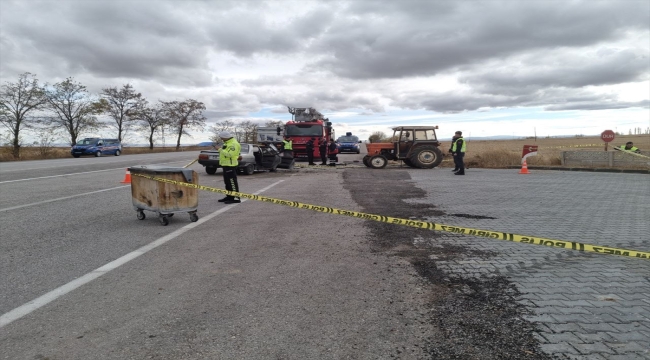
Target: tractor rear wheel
377	162
426	157
409	163
365	160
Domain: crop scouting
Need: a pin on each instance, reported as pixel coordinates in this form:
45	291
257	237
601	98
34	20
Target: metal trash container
163	198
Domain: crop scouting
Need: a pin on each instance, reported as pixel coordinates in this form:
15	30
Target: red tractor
417	146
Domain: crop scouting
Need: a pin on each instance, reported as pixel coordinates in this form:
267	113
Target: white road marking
86	172
67	163
61	198
43	300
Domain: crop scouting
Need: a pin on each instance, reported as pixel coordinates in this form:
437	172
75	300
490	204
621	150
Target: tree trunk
73	138
151	141
16	149
178	142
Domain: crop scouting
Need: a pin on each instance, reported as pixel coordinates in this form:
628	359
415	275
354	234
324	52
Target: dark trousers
230	179
310	155
323	157
459	162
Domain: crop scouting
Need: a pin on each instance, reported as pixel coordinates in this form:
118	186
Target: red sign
529	149
607	135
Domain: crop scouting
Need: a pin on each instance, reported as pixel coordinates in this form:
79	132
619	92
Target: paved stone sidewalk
587	306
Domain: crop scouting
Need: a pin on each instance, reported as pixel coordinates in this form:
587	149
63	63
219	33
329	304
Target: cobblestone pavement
586	306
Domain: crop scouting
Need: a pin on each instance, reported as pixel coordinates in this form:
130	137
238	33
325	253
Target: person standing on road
453	140
229	157
629	146
322	150
310	151
332	150
458	148
287	147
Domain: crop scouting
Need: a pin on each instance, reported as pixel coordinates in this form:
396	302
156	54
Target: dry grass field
504	153
480	153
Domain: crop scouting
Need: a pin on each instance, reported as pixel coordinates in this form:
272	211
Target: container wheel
194	217
377	162
164	221
141	215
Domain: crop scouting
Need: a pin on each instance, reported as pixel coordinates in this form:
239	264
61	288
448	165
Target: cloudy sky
485	67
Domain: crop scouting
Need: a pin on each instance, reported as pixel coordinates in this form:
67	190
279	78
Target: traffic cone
524	168
127	178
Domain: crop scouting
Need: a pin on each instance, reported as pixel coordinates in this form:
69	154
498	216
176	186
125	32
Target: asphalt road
83	278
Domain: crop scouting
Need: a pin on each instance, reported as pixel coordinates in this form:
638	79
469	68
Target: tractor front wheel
377	162
426	157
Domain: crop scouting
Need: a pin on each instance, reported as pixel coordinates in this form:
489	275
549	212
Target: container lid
159	170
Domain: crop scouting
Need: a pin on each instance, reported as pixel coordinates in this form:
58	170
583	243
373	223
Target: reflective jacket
229	153
287	145
463	145
633	148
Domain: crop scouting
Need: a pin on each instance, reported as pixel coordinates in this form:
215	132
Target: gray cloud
362	54
394	45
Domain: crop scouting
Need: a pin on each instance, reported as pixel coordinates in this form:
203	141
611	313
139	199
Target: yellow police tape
631	152
569	146
193	161
524	239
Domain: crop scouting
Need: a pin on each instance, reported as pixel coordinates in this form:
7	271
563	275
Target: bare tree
17	101
377	136
246	131
184	115
274	123
121	105
219	126
45	143
152	119
74	109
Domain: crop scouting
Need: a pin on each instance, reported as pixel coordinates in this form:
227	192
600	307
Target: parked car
96	147
348	143
253	158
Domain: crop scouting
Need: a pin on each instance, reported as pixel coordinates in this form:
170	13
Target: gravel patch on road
474	317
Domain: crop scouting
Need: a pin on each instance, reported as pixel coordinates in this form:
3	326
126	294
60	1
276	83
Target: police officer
287	147
322	149
310	151
229	157
458	148
453	140
629	146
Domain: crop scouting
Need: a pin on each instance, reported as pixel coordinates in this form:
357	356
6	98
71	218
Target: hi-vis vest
462	149
229	153
287	145
633	148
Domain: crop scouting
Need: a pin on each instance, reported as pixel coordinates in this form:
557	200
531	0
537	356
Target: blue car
348	143
97	147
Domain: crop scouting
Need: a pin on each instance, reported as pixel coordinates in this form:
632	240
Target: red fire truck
307	123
